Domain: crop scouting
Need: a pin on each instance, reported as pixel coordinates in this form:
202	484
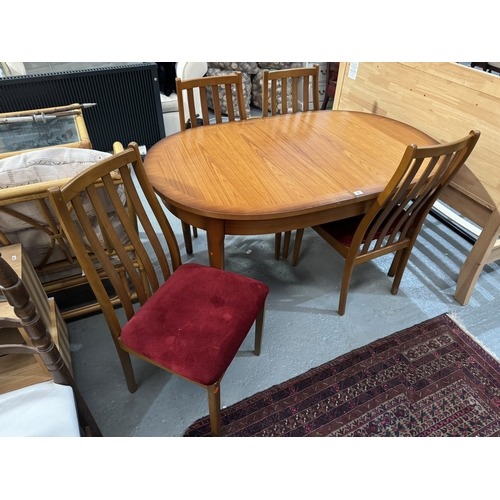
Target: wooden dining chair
193	89
394	220
50	408
194	322
305	79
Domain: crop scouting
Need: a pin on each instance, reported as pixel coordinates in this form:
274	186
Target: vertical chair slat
204	106
295	93
284	96
305	94
217	106
229	99
192	109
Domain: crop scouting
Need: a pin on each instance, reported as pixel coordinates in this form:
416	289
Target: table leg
215	240
186	231
479	256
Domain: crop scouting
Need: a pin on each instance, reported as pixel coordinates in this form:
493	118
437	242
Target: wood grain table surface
274	174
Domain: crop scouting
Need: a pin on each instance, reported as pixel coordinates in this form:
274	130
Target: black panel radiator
128	101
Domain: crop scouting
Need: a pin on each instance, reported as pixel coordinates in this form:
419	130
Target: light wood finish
277	174
393	222
28	370
39	342
228	82
128	267
306	79
442	99
185	90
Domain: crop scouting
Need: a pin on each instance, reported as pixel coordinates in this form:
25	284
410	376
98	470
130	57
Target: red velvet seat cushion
196	321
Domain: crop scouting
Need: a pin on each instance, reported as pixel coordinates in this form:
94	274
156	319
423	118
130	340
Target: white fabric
171	123
46	165
188	70
15	69
40	410
169	103
41	166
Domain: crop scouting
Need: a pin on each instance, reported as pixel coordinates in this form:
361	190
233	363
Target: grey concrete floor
302	327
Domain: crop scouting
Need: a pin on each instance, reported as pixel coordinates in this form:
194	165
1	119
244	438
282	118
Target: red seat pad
196	321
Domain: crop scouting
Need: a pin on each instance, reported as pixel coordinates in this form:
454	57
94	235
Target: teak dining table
279	173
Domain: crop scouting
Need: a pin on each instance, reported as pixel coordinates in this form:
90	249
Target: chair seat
196	331
343	230
41	410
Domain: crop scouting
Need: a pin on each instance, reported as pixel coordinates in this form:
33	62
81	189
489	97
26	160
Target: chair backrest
18	297
228	82
400	210
128	266
308	76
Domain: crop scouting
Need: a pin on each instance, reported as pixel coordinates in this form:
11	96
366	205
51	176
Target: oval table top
275	174
265	168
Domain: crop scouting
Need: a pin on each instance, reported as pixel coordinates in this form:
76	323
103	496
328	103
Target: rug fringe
453	316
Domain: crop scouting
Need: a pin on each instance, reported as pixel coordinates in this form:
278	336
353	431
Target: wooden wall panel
445	100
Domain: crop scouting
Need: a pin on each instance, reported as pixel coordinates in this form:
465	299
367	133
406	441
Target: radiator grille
128	101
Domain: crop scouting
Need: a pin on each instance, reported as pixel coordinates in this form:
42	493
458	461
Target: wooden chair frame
185	90
393	222
299	76
135	271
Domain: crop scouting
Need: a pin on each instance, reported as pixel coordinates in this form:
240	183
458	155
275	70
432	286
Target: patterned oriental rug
431	379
